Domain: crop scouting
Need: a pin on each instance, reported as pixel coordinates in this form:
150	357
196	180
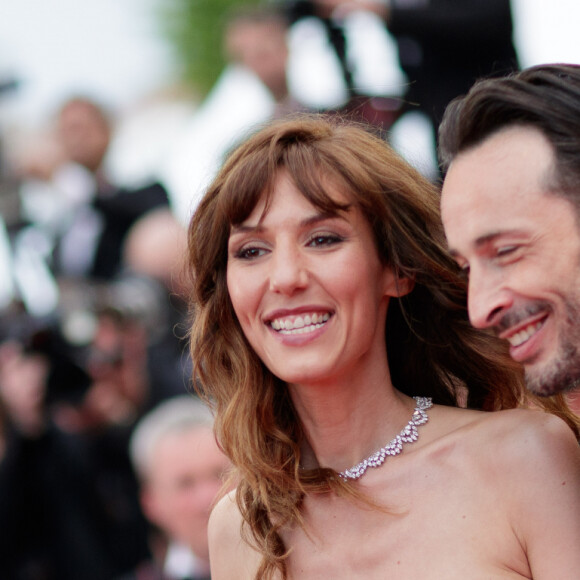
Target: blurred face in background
84	133
260	47
185	475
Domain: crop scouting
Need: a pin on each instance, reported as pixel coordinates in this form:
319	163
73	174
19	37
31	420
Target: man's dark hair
546	97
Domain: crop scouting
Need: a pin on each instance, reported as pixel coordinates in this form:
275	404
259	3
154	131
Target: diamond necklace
409	434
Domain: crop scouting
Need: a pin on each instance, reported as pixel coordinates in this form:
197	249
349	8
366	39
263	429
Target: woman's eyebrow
320	217
244	229
306	222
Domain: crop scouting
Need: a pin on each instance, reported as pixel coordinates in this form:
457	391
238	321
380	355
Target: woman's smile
299	324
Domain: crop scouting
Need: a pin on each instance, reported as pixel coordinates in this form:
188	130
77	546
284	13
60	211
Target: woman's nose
288	270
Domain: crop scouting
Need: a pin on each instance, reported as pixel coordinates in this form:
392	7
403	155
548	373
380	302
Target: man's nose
288	270
488	298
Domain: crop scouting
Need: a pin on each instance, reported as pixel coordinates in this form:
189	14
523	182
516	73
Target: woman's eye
249	253
324	240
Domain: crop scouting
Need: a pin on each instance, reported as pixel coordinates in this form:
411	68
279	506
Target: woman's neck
348	420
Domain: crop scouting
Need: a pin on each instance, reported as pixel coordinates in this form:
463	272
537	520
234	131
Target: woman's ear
398	286
404	286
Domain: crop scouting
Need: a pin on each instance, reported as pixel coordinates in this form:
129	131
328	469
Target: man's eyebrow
485	240
492	236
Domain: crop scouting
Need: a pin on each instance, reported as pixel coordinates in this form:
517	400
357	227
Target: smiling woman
331	326
294	261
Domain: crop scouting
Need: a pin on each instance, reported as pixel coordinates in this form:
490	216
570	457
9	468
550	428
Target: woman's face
308	288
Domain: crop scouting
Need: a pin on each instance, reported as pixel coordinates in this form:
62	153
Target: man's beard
562	373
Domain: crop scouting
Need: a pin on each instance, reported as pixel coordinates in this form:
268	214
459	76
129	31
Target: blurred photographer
68	493
78	367
53	520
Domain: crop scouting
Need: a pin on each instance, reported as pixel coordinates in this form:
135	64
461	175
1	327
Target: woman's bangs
317	181
242	191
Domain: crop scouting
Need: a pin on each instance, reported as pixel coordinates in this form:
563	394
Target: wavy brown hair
432	349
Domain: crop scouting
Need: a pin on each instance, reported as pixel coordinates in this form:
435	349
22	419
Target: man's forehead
516	162
496	188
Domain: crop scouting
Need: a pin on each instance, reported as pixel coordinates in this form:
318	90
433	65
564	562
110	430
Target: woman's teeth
300	324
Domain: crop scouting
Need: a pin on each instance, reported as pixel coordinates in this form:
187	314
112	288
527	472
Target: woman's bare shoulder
225	517
524	420
543	430
520	436
535	435
522	468
230	556
533	460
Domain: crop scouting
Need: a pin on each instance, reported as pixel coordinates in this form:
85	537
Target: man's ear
149	504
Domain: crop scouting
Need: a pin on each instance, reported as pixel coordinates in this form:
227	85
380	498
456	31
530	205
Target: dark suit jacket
448	44
120	211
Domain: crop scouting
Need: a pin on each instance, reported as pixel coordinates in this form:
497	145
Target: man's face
518	240
185	476
84	134
262	48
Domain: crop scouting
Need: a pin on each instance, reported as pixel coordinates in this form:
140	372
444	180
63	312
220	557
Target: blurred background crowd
113	120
